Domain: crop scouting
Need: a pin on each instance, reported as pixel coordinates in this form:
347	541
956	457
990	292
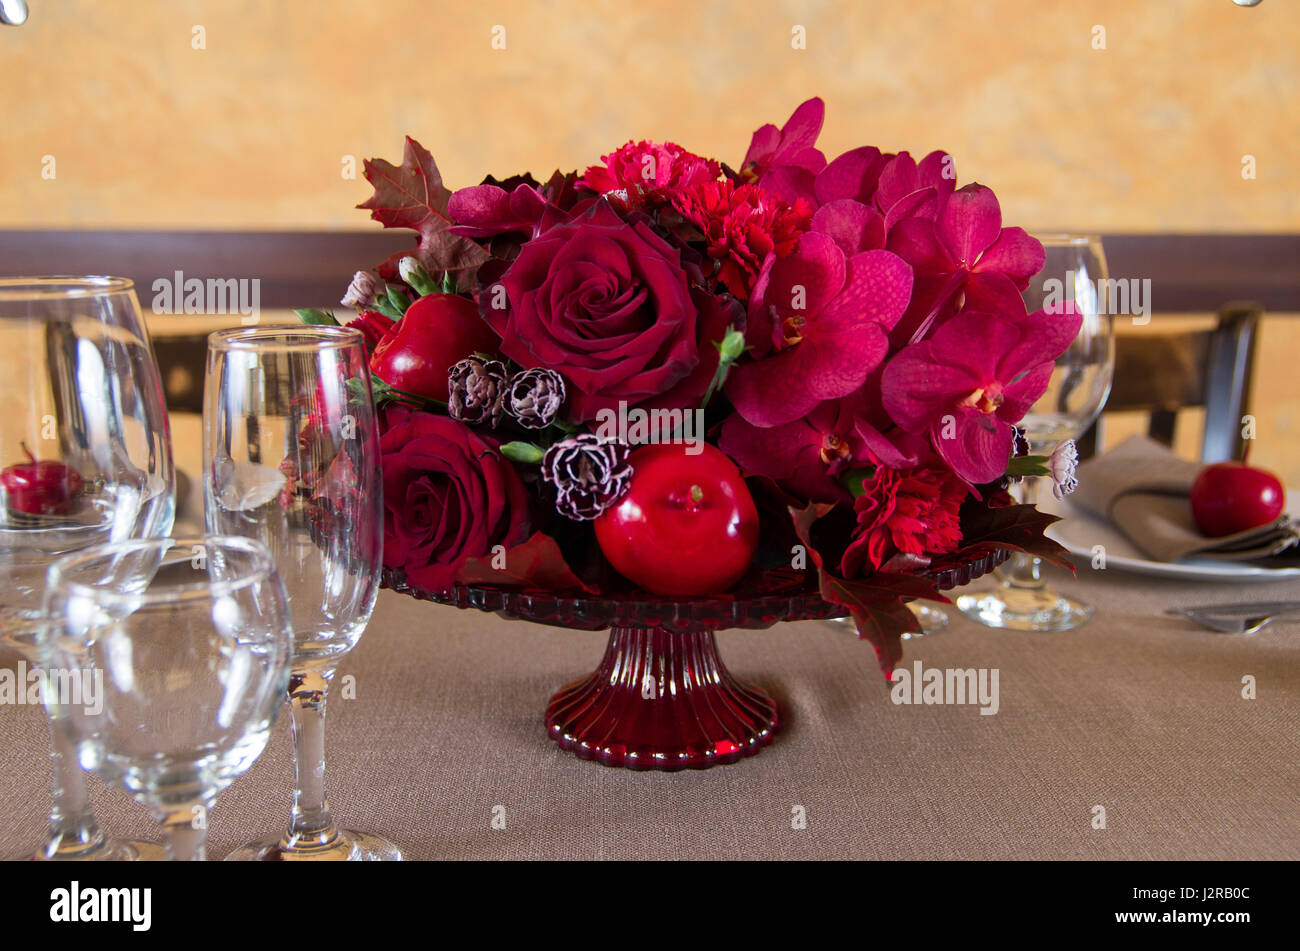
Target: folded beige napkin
1142	487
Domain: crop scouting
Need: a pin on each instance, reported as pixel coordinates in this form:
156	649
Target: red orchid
743	224
805	456
908	188
819	321
975	377
855	226
786	162
851	175
964	249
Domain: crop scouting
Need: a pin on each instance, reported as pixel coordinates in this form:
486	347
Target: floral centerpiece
665	374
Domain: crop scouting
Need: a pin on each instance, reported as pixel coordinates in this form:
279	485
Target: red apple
40	488
437	332
687	524
1230	497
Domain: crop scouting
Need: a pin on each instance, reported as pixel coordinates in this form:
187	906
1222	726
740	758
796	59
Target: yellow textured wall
1147	134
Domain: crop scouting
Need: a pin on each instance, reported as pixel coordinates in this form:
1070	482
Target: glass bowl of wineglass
85	460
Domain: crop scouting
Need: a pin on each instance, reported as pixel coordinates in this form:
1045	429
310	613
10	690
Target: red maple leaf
876	602
986	530
413	196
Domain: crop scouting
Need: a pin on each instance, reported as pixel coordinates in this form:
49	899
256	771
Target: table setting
799	433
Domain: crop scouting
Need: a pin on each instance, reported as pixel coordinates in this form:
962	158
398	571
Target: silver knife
1242	609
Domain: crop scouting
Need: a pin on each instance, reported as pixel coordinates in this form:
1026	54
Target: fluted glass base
661	700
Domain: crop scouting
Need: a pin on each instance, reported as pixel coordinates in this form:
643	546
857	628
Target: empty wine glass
291	457
1074	274
166	662
86	460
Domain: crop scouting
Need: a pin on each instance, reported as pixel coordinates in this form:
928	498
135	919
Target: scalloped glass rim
595	613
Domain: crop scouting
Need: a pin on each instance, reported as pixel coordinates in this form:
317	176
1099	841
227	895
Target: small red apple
1230	497
40	488
437	332
687	524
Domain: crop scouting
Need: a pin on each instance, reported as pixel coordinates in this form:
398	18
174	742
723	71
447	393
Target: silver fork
1238	618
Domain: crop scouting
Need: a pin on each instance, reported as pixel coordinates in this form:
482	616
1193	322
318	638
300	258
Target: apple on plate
43	487
1230	497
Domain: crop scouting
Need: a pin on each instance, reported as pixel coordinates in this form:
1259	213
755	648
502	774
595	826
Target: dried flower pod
589	474
364	289
534	397
476	389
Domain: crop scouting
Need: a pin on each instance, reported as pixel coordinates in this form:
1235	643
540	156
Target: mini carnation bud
1061	465
365	287
476	390
534	397
590	474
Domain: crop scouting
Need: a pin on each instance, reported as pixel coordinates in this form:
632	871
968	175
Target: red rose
373	325
449	495
436	333
904	512
606	304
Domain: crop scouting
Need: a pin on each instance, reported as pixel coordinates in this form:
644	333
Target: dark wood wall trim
1188	273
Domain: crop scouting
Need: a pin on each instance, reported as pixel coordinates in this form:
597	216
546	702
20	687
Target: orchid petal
852	175
1016	254
978	448
854	226
968	223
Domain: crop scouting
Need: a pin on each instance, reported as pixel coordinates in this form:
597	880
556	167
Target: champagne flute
185	644
86	456
1074	273
291	458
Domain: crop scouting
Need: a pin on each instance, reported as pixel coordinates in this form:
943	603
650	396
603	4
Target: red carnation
742	224
904	511
648	172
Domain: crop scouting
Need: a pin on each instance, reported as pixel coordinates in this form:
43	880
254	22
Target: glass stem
74	833
1024	571
186	827
312	825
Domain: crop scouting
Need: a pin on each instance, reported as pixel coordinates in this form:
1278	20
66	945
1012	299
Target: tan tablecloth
1136	712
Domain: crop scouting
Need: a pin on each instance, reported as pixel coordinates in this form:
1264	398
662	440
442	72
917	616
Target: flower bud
1061	466
363	290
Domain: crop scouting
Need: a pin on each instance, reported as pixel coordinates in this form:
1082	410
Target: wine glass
291	457
166	662
1074	273
86	460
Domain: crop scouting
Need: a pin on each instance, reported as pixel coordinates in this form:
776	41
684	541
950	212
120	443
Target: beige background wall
1145	135
254	130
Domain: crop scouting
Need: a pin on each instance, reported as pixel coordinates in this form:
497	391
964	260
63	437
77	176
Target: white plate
1080	530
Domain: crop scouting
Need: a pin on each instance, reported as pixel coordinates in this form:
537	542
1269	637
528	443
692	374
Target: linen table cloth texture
1136	712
